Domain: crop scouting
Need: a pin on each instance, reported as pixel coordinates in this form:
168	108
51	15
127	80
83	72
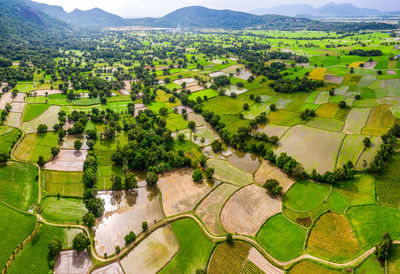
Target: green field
226	172
63	210
305	195
33	111
388	183
359	191
8	139
63	183
35	145
283	239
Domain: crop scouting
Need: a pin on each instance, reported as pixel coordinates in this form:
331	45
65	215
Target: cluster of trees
273	187
93	204
287	163
362	52
296	85
4	112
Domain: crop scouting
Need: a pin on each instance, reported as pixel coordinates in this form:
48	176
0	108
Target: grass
18	185
327	110
311	268
25	87
229	258
388	183
15	227
305	195
35	252
33	111
63	210
370	221
351	149
359	191
370	265
194	248
35	145
379	122
176	122
337	202
332	238
283	239
394	260
283	118
210	93
226	172
224	105
8	139
63	183
233	122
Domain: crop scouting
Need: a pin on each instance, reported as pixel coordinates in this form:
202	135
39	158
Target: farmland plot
351	149
49	118
268	171
356	120
226	172
229	258
68	160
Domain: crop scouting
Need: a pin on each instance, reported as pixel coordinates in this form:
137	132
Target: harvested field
352	148
179	192
247	210
243	74
273	130
204	135
229	258
232	69
283	239
311	268
68	142
43	92
245	161
114	268
317	74
197	118
225	172
333	79
379	121
17	107
300	143
68	160
49	118
63	183
152	254
333	238
356	120
367	80
341	90
234	89
327	110
14	119
188	81
72	262
322	98
124	211
393	87
269	171
5	99
256	258
216	74
390	72
369	154
369	65
210	208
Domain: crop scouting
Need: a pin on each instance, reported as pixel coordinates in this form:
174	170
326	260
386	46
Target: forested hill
19	22
201	17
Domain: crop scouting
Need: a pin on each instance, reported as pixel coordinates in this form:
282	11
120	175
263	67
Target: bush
89	219
130	181
273	187
55	247
41	161
145	226
197	175
42	128
130	238
209	172
116	183
151	178
78	144
80	242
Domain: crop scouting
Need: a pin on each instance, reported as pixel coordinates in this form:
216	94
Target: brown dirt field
68	160
42	92
370	65
256	258
179	192
6	98
194	88
113	268
244	74
14	119
272	130
72	262
197	118
390	72
19	98
180	108
245	161
302	64
333	238
17	107
124	211
333	79
246	211
188	81
152	254
68	142
211	206
218	73
269	171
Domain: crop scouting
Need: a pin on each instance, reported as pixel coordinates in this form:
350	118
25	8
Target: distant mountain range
32	17
328	10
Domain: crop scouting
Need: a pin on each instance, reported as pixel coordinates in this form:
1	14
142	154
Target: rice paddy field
171	80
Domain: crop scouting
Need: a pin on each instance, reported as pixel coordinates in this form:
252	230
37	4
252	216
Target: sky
158	8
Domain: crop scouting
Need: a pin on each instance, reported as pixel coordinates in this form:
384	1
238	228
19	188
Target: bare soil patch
42	92
268	171
246	211
272	130
72	262
49	118
188	81
333	79
369	65
179	192
124	211
243	74
245	161
113	268
152	254
390	72
5	98
17	107
256	258
216	74
180	108
68	160
14	119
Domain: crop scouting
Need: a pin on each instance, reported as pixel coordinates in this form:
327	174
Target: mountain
93	18
19	21
287	10
328	10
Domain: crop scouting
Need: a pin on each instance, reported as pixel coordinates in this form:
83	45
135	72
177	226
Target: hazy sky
156	8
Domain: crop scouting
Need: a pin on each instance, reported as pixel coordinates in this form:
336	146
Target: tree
245	106
229	238
197	175
130	237
151	178
80	242
192	125
342	104
89	219
78	144
90	144
41	161
272	107
367	142
209	172
273	187
216	146
145	226
55	151
384	247
42	128
116	182
130	181
54	247
4	157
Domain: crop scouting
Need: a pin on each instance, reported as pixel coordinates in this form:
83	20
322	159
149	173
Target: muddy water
245	161
124	211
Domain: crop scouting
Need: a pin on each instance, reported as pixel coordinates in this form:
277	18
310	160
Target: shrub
197	175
